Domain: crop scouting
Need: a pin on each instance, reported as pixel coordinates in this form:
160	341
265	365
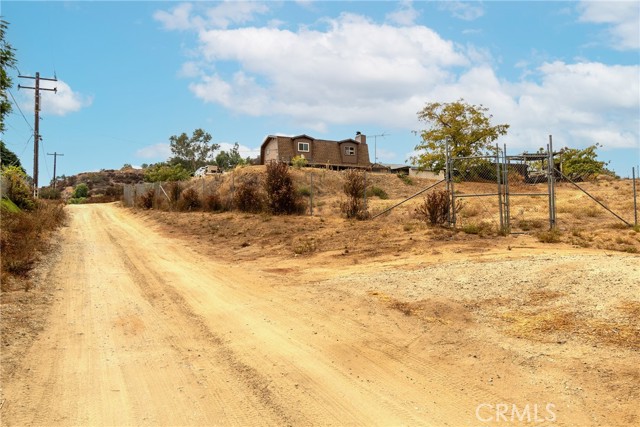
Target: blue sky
131	74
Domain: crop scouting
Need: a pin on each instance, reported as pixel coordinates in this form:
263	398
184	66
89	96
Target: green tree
227	160
17	187
8	157
464	127
81	191
582	164
7	60
163	172
192	152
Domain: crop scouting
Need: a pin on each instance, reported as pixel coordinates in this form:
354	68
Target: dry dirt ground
228	319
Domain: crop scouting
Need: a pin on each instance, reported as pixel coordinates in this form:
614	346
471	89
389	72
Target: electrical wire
44	154
19	109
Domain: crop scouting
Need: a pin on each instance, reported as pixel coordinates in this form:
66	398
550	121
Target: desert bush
549	236
405	178
213	202
299	162
77	200
282	197
189	200
435	207
378	192
304	191
146	199
353	188
50	193
22	237
17	188
175	190
480	228
81	190
247	197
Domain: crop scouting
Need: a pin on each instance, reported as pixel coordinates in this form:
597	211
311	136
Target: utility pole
375	145
36	125
55	157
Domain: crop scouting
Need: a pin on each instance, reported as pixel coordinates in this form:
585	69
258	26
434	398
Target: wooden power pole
36	125
55	157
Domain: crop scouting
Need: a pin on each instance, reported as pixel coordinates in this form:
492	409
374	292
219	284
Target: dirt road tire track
145	330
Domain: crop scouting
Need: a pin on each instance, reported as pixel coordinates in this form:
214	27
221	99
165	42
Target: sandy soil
149	327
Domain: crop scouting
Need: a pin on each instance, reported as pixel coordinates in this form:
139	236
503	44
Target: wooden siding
321	152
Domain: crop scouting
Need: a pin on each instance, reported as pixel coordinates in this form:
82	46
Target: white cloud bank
59	103
359	71
622	18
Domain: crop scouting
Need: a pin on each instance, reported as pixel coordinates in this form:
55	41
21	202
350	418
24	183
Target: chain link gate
496	191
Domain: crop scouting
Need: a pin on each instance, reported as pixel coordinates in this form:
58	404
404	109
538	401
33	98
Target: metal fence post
505	175
551	184
499	189
311	195
635	203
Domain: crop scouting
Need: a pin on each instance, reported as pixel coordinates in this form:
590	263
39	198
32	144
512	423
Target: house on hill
345	154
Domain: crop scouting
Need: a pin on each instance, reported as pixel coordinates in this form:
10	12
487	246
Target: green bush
81	191
304	191
50	193
77	200
378	192
17	189
162	172
405	178
299	162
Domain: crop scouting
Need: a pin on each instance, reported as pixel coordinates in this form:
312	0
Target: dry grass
23	237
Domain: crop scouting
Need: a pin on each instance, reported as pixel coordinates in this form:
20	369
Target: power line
19	109
55	157
36	124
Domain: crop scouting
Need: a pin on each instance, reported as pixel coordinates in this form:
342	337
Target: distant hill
105	185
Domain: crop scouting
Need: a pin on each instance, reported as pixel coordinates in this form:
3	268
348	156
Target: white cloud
242	149
623	17
222	15
405	15
357	71
156	151
353	70
59	103
465	10
179	18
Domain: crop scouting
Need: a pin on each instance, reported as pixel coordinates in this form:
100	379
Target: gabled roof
353	141
303	136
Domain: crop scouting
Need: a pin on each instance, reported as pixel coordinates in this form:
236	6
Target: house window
350	151
303	147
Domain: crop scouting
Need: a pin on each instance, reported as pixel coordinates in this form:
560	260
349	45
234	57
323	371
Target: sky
132	74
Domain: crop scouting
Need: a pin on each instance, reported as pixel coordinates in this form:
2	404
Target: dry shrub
213	203
282	197
353	187
550	236
189	200
247	197
435	207
175	190
22	235
146	200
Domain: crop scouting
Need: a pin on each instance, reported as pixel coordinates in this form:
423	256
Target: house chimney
360	138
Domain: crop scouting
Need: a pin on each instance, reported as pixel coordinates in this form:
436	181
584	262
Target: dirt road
146	330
